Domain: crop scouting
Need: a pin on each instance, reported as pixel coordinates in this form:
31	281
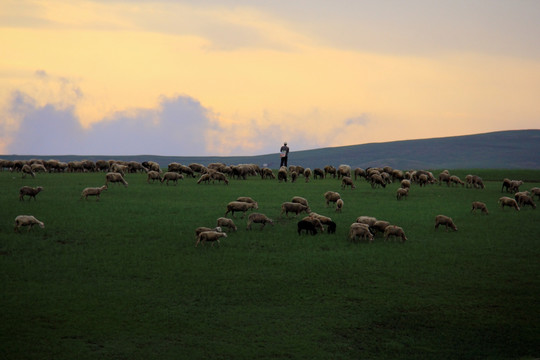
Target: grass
121	278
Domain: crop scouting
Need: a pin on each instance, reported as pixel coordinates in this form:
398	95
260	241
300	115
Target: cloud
361	120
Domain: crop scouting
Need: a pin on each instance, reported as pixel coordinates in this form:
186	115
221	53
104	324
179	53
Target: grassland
122	279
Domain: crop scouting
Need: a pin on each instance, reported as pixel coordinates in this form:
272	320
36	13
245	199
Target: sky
231	78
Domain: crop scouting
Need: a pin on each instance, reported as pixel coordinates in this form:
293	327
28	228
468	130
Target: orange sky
257	74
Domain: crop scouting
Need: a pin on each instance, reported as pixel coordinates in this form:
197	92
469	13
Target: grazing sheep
219	176
38	168
535	191
282	174
27	170
445	220
368	220
347	181
306	225
380	226
360	231
296	208
247	199
172	176
153	175
201	229
29	191
300	200
343	170
307	174
212	236
359	172
204	178
294	176
477	182
506	201
315	221
405	184
318	173
27	220
325	220
477	205
329	169
402	192
258	218
377	180
339	205
267	173
239	206
455	180
523	198
444	177
114	177
505	184
228	223
514	185
331	196
93	191
396	231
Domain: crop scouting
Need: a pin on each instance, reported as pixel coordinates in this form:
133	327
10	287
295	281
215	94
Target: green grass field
121	278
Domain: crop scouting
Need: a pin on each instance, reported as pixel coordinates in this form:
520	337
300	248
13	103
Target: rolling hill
515	149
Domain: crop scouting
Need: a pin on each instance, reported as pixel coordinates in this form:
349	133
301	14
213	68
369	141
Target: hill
515	149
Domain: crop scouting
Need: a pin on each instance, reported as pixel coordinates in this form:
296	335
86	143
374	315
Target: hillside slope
516	149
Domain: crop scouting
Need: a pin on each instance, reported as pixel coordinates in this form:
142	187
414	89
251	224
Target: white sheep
535	191
114	177
368	220
247	199
446	221
204	178
402	192
225	222
343	170
339	205
396	231
296	208
153	175
405	184
201	229
360	231
93	191
380	225
455	180
212	236
331	196
239	206
27	220
172	176
258	218
219	176
506	201
27	170
29	191
307	174
300	200
478	205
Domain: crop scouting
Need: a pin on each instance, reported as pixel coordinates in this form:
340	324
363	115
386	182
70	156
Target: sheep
318	173
377	180
153	175
228	223
267	173
296	208
294	176
514	185
27	220
299	200
247	199
204	178
339	205
172	176
368	220
423	180
525	199
347	181
505	184
477	182
258	218
380	225
506	201
331	196
219	176
29	191
27	170
445	220
402	192
212	236
360	231
114	177
93	191
201	229
38	168
325	220
359	172
282	174
315	221
306	225
444	177
393	230
455	180
535	191
343	170
329	169
405	184
477	205
237	206
307	174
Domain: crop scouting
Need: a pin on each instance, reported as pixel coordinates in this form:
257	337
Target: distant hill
516	149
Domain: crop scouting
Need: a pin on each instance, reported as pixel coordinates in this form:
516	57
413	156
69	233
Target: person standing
284	154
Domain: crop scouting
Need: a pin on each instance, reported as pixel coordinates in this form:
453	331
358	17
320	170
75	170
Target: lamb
239	206
339	205
225	222
27	170
114	177
29	191
307	174
331	196
506	201
306	225
360	231
347	181
393	230
93	191
445	220
172	176
258	218
201	229
402	192
212	236
247	199
27	220
300	200
477	205
153	175
296	208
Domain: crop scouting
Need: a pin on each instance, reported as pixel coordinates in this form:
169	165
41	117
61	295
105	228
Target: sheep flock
363	228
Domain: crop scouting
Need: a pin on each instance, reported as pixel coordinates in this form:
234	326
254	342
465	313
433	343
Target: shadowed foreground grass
121	278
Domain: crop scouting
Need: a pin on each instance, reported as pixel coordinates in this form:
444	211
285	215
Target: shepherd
284	154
